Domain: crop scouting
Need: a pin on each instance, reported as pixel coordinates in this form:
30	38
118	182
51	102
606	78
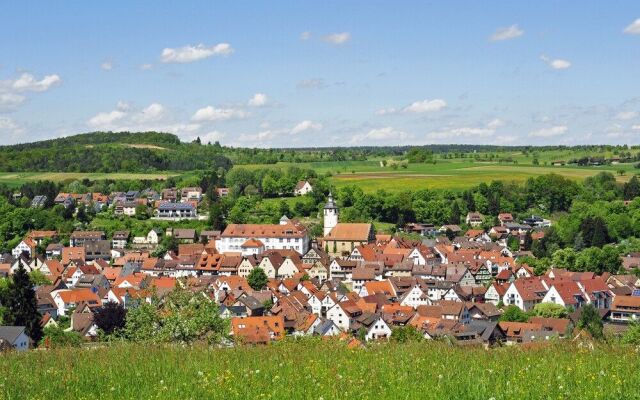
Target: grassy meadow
316	369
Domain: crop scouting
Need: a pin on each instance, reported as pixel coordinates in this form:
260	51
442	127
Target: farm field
18	178
318	369
458	175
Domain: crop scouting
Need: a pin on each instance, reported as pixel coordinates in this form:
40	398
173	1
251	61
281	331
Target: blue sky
302	73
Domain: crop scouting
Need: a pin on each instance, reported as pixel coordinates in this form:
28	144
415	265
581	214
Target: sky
324	73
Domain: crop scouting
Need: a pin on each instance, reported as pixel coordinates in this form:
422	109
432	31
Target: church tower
330	215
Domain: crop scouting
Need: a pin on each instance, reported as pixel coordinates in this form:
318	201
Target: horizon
310	75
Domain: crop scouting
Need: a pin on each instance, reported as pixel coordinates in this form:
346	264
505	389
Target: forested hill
112	152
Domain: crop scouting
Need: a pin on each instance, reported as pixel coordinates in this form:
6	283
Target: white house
288	235
15	336
302	188
26	246
378	329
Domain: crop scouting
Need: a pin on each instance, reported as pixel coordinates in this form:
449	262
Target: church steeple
331	213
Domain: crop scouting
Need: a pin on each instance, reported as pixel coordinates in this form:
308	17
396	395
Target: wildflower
200	373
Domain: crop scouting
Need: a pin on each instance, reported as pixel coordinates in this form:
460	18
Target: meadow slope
315	369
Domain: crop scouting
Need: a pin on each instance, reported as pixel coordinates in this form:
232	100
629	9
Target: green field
18	178
316	369
445	174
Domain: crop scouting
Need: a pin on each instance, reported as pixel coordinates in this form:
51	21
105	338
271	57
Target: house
176	211
16	337
183	235
505	218
67	299
191	194
39	201
375	326
566	294
82	323
257	330
474	219
97	249
422	229
120	239
288	234
519	332
222	191
26	246
302	188
344	237
252	247
344	314
127	208
525	293
625	309
78	238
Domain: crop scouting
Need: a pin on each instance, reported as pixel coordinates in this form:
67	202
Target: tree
631	189
142	212
257	279
528	241
514	314
455	214
407	333
56	337
22	306
590	321
216	217
632	334
110	318
550	310
38	278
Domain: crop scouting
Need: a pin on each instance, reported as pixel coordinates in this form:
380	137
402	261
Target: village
451	282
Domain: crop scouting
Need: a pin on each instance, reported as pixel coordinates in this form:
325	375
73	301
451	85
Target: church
341	238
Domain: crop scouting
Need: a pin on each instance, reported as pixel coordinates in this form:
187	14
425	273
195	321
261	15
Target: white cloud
104	120
386	133
495	123
9	101
145	67
9	128
557	63
626	115
211	113
337	38
633	28
306	125
636	127
386	111
553	131
305	35
258	100
213	136
27	82
154	112
154	117
106	66
425	106
506	33
189	54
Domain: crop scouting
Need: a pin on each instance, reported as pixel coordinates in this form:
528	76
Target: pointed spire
330	203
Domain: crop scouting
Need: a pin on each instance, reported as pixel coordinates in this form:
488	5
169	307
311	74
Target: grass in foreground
313	369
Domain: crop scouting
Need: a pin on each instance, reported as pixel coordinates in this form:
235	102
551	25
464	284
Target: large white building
288	235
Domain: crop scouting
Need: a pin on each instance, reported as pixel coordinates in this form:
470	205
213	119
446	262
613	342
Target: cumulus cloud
633	28
417	107
305	35
495	123
462	132
258	100
557	63
425	106
506	33
187	54
10	101
636	127
386	133
306	125
154	112
554	131
9	130
213	136
106	119
337	38
626	115
211	113
27	82
106	66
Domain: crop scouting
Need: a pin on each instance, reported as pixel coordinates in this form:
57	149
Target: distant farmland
18	178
